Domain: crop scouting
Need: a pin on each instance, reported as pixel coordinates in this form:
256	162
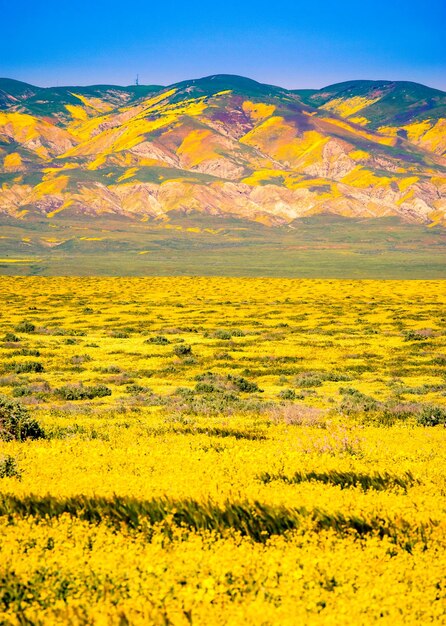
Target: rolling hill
227	150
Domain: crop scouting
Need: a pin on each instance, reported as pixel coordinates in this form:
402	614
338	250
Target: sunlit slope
223	145
403	109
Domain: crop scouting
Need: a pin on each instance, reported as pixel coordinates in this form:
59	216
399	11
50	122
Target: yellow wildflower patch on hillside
130	173
359	155
51	185
197	147
427	133
94	103
77	112
20	125
348	106
66	204
359	132
359	119
258	110
362	177
12	162
281	140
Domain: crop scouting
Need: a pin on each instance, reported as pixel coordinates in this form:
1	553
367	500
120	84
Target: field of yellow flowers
222	451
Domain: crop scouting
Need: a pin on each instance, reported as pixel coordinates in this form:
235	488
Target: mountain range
223	175
223	145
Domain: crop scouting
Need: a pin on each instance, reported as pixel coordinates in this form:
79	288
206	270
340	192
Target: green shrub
8	467
287	394
158	339
223	334
79	392
182	350
98	391
237	332
205	388
220	403
309	379
11	338
415	335
27	367
316	379
78	359
432	416
354	401
392	412
25	327
136	389
208	376
119	334
337	377
38	390
16	423
209	382
189	361
19	392
110	369
27	352
241	384
440	359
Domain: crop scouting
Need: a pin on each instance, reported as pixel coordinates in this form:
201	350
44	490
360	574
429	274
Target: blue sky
292	44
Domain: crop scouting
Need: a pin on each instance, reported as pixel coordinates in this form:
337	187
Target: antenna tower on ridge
137	80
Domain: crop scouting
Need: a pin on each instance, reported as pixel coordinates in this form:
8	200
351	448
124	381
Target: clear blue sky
292	44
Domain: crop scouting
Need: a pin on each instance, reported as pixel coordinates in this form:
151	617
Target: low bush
316	379
9	468
241	384
38	390
209	382
158	340
78	359
354	401
287	394
98	391
215	394
432	416
110	369
79	392
225	335
136	389
27	367
119	334
16	423
417	335
25	326
213	404
309	379
26	352
19	392
11	338
182	350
